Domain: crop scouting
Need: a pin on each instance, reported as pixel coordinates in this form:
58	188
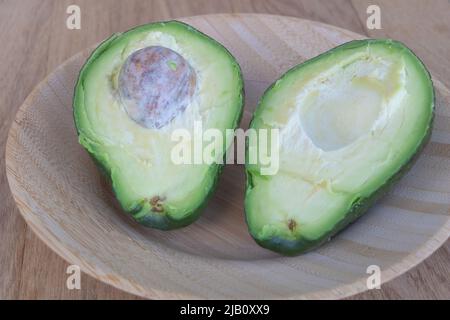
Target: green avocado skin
302	244
159	220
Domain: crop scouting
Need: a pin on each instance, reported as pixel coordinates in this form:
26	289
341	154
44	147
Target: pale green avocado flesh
132	149
350	122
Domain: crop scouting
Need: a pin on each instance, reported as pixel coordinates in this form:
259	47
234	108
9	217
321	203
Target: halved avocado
133	92
350	123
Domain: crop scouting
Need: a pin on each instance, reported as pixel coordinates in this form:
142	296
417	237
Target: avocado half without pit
350	123
133	92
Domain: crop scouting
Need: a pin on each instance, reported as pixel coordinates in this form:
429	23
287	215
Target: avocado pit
156	84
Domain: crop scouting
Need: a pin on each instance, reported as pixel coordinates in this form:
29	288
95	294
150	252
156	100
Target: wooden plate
64	200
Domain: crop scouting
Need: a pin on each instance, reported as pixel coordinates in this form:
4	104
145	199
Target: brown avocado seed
156	85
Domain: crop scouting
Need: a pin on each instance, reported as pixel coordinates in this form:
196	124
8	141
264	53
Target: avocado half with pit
350	122
133	93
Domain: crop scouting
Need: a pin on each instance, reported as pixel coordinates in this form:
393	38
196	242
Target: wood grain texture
64	200
36	41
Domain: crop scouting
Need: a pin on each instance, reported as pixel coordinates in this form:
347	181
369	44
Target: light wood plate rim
45	235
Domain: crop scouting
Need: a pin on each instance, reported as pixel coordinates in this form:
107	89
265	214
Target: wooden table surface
35	40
